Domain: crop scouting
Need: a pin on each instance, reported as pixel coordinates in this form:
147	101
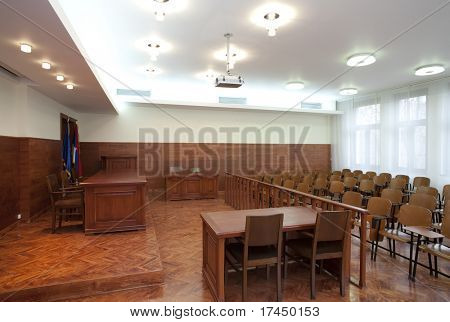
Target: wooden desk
114	201
218	226
191	186
119	162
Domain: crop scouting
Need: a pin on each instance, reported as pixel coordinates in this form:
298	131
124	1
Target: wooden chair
336	190
336	173
423	200
429	191
387	175
380	183
277	180
268	179
350	183
320	186
65	202
409	215
348	174
308	179
406	178
440	249
345	171
289	184
396	198
329	240
371	174
335	177
357	173
296	178
367	188
352	198
362	177
262	246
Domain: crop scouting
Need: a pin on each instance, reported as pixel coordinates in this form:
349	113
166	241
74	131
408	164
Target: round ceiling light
271	16
295	86
59	78
25	48
348	91
46	65
429	70
359	60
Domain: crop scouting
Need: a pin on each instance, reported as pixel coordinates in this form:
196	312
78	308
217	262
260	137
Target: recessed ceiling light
271	16
25	48
59	78
348	91
295	86
69	86
153	70
359	60
154	48
46	65
429	70
162	8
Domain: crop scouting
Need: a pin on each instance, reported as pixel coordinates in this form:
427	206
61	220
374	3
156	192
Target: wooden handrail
246	193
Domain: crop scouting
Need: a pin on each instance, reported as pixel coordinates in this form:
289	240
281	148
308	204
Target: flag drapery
71	152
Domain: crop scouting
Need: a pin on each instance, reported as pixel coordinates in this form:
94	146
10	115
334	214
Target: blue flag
67	150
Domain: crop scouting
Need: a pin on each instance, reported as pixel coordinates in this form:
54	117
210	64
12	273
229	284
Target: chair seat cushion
68	202
303	247
254	253
437	250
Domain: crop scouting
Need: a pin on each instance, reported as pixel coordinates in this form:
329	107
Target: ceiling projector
229	81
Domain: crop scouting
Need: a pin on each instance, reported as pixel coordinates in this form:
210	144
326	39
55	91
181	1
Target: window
367	136
412	134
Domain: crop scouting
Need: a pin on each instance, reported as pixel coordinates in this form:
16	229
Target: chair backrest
335	177
263	230
423	200
366	186
397	183
362	177
379	206
332	226
394	195
303	187
321	183
350	182
336	187
403	176
277	180
322	175
296	178
352	198
288	184
308	179
357	173
336	173
268	179
348	174
388	176
411	215
52	186
286	175
371	174
421	182
429	191
346	170
379	180
446	192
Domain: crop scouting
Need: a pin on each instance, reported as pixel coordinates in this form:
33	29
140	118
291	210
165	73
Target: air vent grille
312	106
132	92
232	100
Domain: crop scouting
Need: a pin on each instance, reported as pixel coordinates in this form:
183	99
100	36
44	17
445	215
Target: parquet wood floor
38	265
178	230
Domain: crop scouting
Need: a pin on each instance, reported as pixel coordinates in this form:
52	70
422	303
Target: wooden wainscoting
154	159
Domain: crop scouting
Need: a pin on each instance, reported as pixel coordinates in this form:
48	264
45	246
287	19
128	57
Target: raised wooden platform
36	265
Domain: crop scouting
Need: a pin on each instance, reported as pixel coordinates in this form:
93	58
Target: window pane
413	109
420	147
402	148
374	141
367	115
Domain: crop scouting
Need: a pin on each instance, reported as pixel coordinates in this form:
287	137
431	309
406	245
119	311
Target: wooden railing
246	193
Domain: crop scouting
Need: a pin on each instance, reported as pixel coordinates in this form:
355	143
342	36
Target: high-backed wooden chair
335	177
277	180
337	173
262	246
350	183
397	183
429	191
409	215
320	186
65	203
406	178
308	179
336	190
348	174
362	177
367	188
387	175
357	173
352	198
396	198
331	233
380	183
423	200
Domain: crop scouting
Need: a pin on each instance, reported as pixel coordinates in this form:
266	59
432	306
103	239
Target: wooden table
191	186
218	226
114	201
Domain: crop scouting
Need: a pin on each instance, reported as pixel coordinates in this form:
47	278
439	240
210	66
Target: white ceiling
35	22
312	48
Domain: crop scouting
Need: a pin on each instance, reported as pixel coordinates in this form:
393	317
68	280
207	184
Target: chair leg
411	244
312	280
390	247
244	284
393	248
415	260
279	282
435	267
376	250
430	265
372	246
267	272
341	278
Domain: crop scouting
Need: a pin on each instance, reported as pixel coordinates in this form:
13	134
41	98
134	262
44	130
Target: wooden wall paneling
9	180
